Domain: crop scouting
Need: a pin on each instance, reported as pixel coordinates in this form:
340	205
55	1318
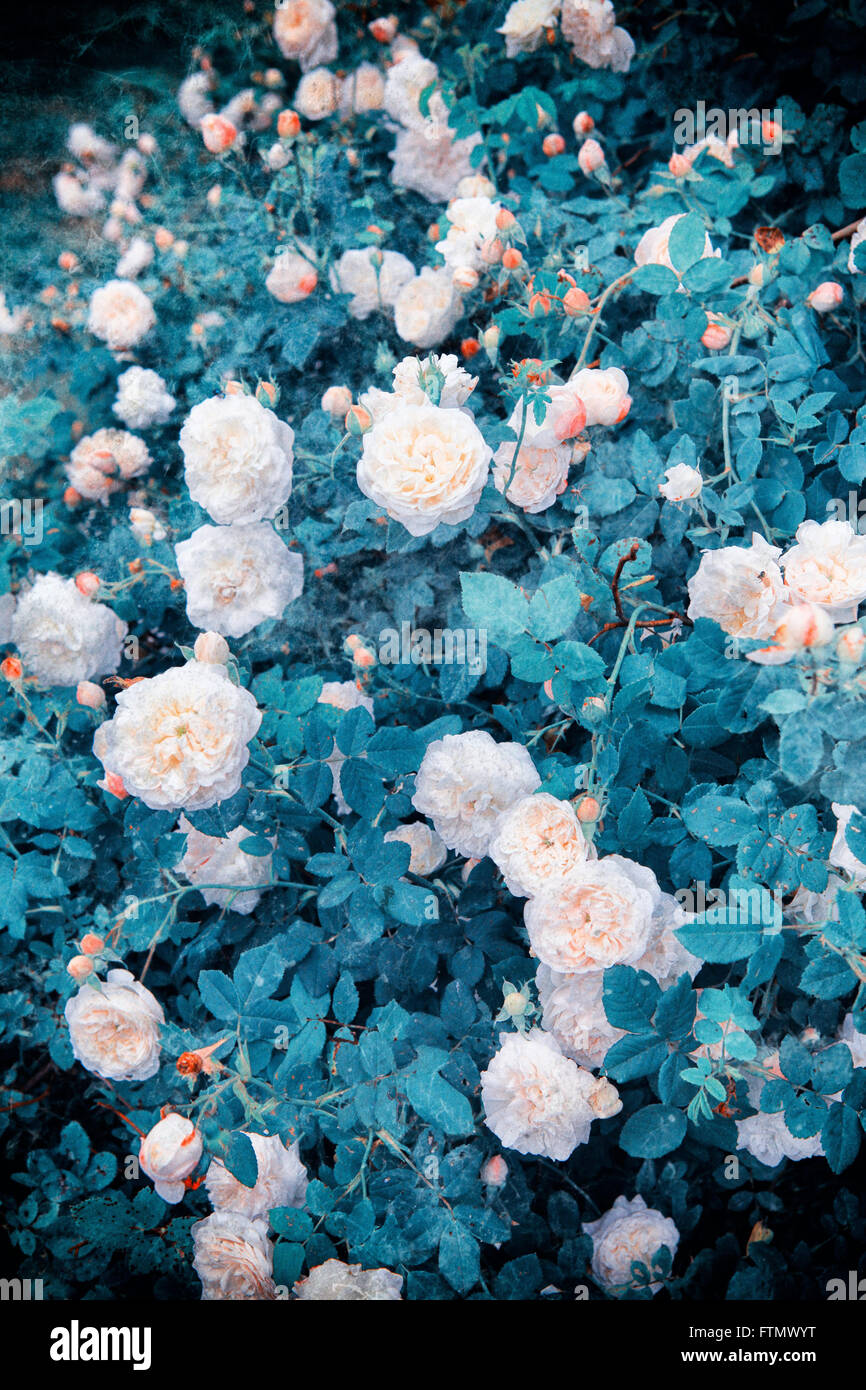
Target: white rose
281	1180
573	1011
472	223
540	474
427	308
237	458
168	1153
291	278
404	83
604	392
740	588
114	1030
100	463
343	695
211	859
414	376
859	236
120	314
336	1281
363	90
653	247
803	626
142	399
538	1101
526	24
306	30
63	637
590	27
466	781
136	258
180	739
371	286
537	841
237	576
855	1040
629	1232
766	1136
83	142
424	465
428	852
840	856
76	196
233	1257
145	526
601	915
318	94
827	566
682	483
193	98
432	161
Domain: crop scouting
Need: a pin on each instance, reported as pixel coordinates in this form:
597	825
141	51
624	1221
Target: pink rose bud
583	123
87	583
590	156
11	668
850	644
679	165
288	124
492	250
465	277
363	658
91	944
277	158
358	420
553	145
218	133
495	1171
828	295
715	336
588	811
80	967
113	784
384	29
213	195
273	77
211	649
267	394
505	219
771	132
163	238
756	275
337	401
804	626
146	144
67	260
90	695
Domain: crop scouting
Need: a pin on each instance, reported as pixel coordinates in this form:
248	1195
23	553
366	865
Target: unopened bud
336	401
583	123
465	277
590	156
494	1173
90	695
87	583
91	944
211	649
218	133
850	644
588	811
11	668
553	145
827	296
358	420
288	124
80	967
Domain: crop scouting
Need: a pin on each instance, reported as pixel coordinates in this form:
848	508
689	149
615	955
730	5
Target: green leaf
653	1131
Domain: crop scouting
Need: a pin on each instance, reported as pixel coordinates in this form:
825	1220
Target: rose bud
469	347
715	336
590	157
91	944
168	1153
288	124
583	123
804	626
146	144
277	158
358	420
828	295
67	260
679	165
87	583
495	1171
214	195
575	302
80	967
90	695
384	29
553	145
11	668
211	649
337	401
505	219
218	133
465	277
850	644
512	258
588	810
163	238
113	784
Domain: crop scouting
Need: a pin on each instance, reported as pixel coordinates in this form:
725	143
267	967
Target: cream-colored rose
237	576
827	566
237	458
431	161
466	781
604	393
306	31
427	308
428	852
573	1011
539	476
424	466
101	463
803	626
179	739
209	859
628	1233
682	483
120	314
653	247
76	195
405	83
363	90
335	1281
291	278
373	278
538	1101
826	296
526	25
168	1153
114	1030
537	841
472	225
437	379
142	399
281	1180
591	29
740	588
601	915
64	637
233	1258
318	94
